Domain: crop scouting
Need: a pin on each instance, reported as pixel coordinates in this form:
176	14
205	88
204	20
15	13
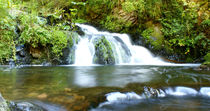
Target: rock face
18	106
22	55
204	67
3	104
24	106
104	53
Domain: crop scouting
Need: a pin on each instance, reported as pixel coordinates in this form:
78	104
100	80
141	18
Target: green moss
104	53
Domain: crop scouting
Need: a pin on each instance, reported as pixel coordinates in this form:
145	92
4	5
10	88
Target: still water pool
131	88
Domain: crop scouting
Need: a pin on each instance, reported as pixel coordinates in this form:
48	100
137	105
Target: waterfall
112	48
84	52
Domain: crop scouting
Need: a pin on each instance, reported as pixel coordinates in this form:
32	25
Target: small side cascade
98	47
205	91
133	98
181	91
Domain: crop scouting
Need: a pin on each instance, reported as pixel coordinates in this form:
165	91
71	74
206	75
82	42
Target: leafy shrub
117	25
128	6
36	33
180	29
207	57
7	33
30	15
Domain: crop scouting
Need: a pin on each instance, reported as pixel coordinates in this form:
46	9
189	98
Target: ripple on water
123	101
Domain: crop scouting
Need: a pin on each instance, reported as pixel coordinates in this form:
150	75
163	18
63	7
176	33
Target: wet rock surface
3	104
104	53
205	67
24	106
18	106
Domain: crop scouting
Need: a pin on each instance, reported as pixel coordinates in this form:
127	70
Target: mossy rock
103	51
206	65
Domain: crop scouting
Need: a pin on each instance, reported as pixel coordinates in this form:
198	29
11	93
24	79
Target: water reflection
111	76
17	82
83	78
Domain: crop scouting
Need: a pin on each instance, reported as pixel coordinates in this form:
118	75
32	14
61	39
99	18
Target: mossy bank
35	32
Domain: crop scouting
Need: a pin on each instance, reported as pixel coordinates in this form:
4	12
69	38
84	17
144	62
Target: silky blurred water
28	82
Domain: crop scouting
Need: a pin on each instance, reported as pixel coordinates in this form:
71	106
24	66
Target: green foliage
59	41
129	6
36	33
32	31
44	7
207	57
42	23
7	33
146	9
147	33
205	26
55	9
80	21
32	19
206	23
3	9
95	10
156	42
102	3
118	25
179	28
184	23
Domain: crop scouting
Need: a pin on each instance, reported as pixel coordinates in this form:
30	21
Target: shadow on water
80	88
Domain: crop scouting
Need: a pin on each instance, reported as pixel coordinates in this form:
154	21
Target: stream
109	73
133	87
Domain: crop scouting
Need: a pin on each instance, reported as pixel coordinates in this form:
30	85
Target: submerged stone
18	106
25	106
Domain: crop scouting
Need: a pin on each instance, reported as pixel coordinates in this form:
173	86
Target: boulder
3	104
24	106
103	51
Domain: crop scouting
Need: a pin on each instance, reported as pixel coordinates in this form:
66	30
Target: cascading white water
177	91
120	44
84	52
123	50
132	98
